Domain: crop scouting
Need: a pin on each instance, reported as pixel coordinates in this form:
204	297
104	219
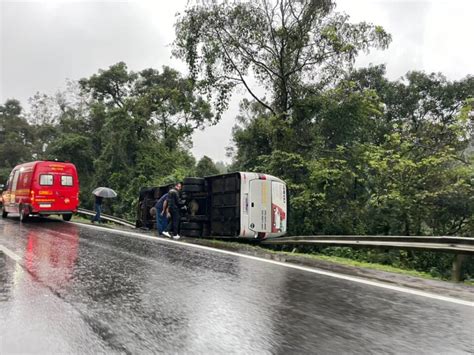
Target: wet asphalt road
68	288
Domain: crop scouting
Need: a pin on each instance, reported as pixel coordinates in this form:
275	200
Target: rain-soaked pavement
69	288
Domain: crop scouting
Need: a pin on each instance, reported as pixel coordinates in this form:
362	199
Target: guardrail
456	245
106	217
430	243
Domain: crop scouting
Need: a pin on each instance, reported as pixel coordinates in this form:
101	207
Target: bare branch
241	76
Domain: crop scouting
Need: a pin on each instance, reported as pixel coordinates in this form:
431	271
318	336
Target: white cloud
44	42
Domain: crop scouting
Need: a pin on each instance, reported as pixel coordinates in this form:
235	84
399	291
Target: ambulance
41	188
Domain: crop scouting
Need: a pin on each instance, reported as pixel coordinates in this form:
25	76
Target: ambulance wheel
67	217
24	213
4	213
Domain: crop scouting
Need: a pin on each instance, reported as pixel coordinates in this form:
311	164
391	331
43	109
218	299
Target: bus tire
24	213
193	181
198	218
193	188
191	225
4	213
67	217
191	233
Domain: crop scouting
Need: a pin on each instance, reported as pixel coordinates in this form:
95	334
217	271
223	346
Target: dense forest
361	154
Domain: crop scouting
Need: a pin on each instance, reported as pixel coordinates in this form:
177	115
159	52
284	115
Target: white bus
235	205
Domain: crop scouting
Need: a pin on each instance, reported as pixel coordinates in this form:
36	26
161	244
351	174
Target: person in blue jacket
161	207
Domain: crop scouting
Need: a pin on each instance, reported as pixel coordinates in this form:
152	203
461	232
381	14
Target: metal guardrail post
457	267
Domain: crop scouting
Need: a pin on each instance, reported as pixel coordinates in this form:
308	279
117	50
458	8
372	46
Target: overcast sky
44	42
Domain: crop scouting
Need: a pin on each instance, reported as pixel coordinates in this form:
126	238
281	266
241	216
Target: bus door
260	200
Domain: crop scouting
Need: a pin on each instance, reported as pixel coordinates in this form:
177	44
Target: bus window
46	180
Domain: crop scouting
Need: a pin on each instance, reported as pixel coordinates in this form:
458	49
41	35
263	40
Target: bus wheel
4	213
24	213
190	229
67	217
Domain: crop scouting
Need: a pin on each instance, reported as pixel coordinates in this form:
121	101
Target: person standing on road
173	208
97	208
161	207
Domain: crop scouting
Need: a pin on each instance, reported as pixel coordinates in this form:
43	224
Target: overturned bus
235	205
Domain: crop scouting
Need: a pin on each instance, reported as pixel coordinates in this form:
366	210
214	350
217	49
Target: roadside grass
80	219
85	220
340	260
367	265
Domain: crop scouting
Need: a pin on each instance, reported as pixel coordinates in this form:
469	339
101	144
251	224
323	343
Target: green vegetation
361	154
121	129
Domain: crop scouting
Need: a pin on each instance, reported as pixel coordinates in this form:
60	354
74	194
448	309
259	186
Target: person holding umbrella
100	193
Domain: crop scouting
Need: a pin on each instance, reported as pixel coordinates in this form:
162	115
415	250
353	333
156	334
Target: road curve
69	288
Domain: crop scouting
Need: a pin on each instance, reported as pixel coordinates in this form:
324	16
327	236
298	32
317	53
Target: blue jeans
97	208
161	223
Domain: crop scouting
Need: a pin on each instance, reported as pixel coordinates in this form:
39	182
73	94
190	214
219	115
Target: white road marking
293	266
9	253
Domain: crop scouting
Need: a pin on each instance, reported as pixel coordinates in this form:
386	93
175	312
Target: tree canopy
284	45
361	154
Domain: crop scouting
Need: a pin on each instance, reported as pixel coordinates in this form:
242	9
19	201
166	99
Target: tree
110	86
370	155
141	124
284	45
169	101
206	167
163	100
16	137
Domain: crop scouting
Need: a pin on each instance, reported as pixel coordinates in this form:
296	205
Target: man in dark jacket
173	209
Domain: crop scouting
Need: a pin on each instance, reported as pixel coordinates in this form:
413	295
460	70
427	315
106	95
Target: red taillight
262	177
32	196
